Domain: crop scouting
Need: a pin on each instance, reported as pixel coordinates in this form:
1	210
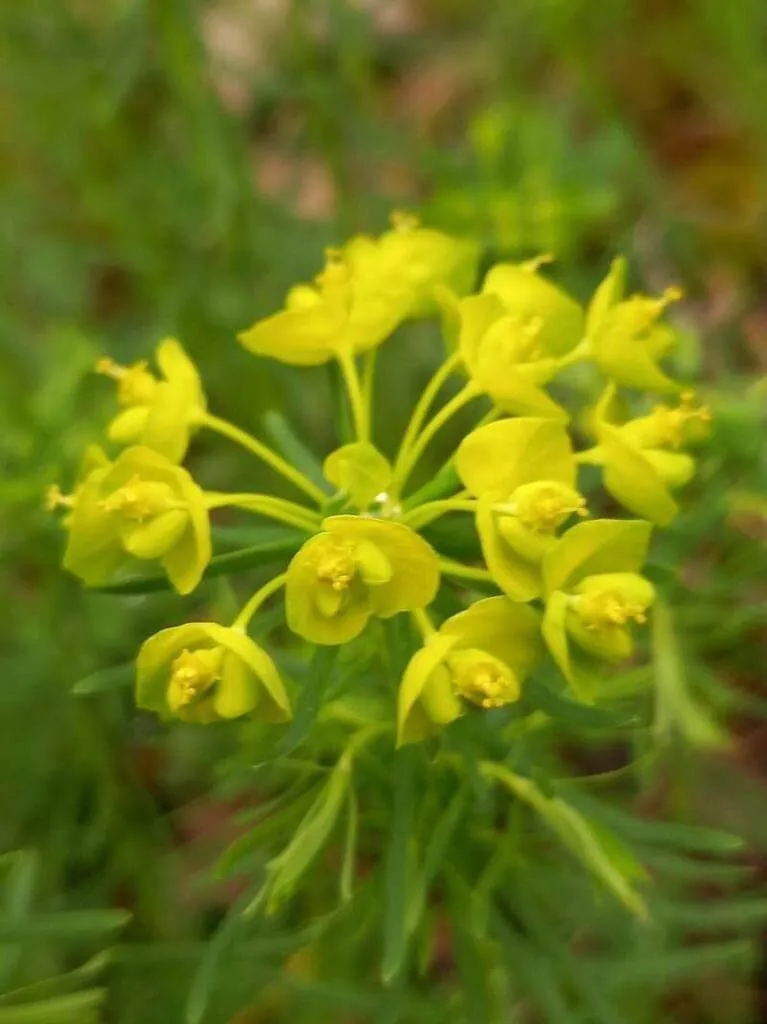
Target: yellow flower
639	469
202	672
159	413
140	506
514	336
523	472
478	657
365	291
355	568
593	592
626	337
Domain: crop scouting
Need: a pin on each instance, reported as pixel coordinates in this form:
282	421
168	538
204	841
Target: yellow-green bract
202	672
357	567
480	655
139	506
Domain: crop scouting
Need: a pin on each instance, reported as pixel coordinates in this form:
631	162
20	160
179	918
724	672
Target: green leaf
676	710
60	984
434	854
349	862
539	930
277	543
694	871
77	1008
286	869
576	714
396	866
575	831
674	964
470	952
695	839
263	823
69	924
741	915
22	869
535	973
290	445
316	682
205	975
105	679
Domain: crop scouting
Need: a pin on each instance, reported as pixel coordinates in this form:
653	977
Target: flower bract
157	412
140	506
512	338
357	567
641	460
523	472
203	672
478	657
627	338
360	471
366	290
593	593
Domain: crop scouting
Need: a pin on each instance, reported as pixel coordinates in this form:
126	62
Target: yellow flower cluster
567	585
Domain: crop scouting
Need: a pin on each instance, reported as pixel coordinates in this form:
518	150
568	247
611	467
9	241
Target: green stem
451	568
255	602
425	402
264	453
356	398
407	463
368	380
424	514
264	504
425	626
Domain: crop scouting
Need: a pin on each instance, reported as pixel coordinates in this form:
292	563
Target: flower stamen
135	384
140	499
482	679
55	498
544	505
338	568
193	673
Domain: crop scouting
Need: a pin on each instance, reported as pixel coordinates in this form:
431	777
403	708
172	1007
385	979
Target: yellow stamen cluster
671	423
512	340
337	567
140	499
482	679
55	498
193	673
613	604
545	504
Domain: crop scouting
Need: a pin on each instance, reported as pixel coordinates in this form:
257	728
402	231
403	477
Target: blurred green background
171	167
